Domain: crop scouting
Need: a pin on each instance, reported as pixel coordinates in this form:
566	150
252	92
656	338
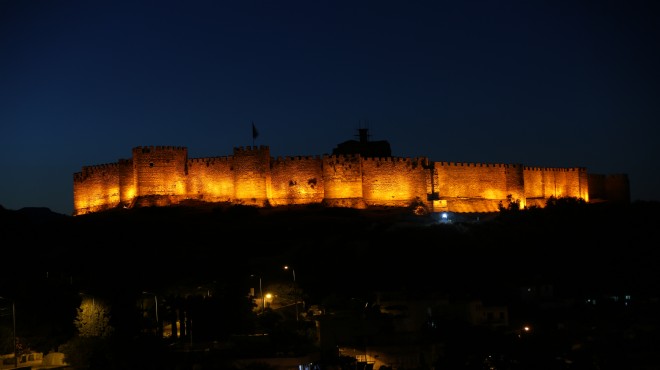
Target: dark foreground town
568	286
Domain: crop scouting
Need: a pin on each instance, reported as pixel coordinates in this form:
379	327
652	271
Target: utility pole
295	290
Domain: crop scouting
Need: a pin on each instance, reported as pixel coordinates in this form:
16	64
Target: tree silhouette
93	319
93	325
512	204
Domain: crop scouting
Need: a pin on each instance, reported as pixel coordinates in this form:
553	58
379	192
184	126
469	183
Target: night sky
542	83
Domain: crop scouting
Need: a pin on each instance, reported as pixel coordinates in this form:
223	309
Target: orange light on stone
252	177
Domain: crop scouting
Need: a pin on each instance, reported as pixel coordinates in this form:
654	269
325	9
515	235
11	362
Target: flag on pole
254	132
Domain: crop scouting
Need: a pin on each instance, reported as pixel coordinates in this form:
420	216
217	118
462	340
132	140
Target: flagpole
254	133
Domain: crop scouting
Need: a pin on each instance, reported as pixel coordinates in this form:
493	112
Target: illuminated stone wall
127	182
297	180
393	181
164	175
160	170
96	188
252	181
471	180
515	183
342	177
542	183
476	187
211	179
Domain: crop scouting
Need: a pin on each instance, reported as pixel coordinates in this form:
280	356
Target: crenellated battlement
241	149
388	159
97	167
91	170
252	176
555	169
151	148
295	158
475	164
395	162
340	157
210	160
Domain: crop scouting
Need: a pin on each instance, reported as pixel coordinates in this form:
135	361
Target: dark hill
581	247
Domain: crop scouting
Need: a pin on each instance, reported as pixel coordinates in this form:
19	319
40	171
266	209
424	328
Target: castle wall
127	183
614	187
160	170
515	183
96	188
471	180
393	181
476	187
542	183
468	205
297	180
163	175
583	176
211	179
342	176
617	188
252	180
597	186
534	183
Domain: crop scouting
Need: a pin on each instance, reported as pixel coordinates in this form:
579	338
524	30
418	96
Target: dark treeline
583	245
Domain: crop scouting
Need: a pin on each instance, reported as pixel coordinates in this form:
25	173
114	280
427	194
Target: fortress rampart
614	187
164	175
296	180
393	181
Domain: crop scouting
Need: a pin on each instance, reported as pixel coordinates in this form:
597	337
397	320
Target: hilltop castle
358	174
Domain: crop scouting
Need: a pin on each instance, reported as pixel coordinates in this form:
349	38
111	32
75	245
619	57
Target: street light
295	295
13	319
156	302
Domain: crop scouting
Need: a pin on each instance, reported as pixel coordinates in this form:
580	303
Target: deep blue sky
542	83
